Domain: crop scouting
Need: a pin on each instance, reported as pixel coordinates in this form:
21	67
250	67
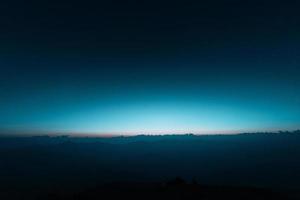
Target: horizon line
36	133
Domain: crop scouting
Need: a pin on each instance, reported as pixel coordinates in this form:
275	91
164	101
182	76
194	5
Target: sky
151	67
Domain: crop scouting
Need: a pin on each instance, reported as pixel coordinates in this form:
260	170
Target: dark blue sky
149	67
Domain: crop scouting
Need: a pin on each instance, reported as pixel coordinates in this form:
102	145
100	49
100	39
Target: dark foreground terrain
245	166
175	189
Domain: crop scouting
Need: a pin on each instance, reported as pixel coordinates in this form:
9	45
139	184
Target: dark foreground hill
174	189
228	165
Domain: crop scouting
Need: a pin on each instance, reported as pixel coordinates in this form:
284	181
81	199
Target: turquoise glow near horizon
169	113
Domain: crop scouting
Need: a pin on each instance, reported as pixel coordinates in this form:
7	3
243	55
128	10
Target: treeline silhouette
266	165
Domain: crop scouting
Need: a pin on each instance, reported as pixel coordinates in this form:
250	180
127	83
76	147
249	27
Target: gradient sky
134	67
